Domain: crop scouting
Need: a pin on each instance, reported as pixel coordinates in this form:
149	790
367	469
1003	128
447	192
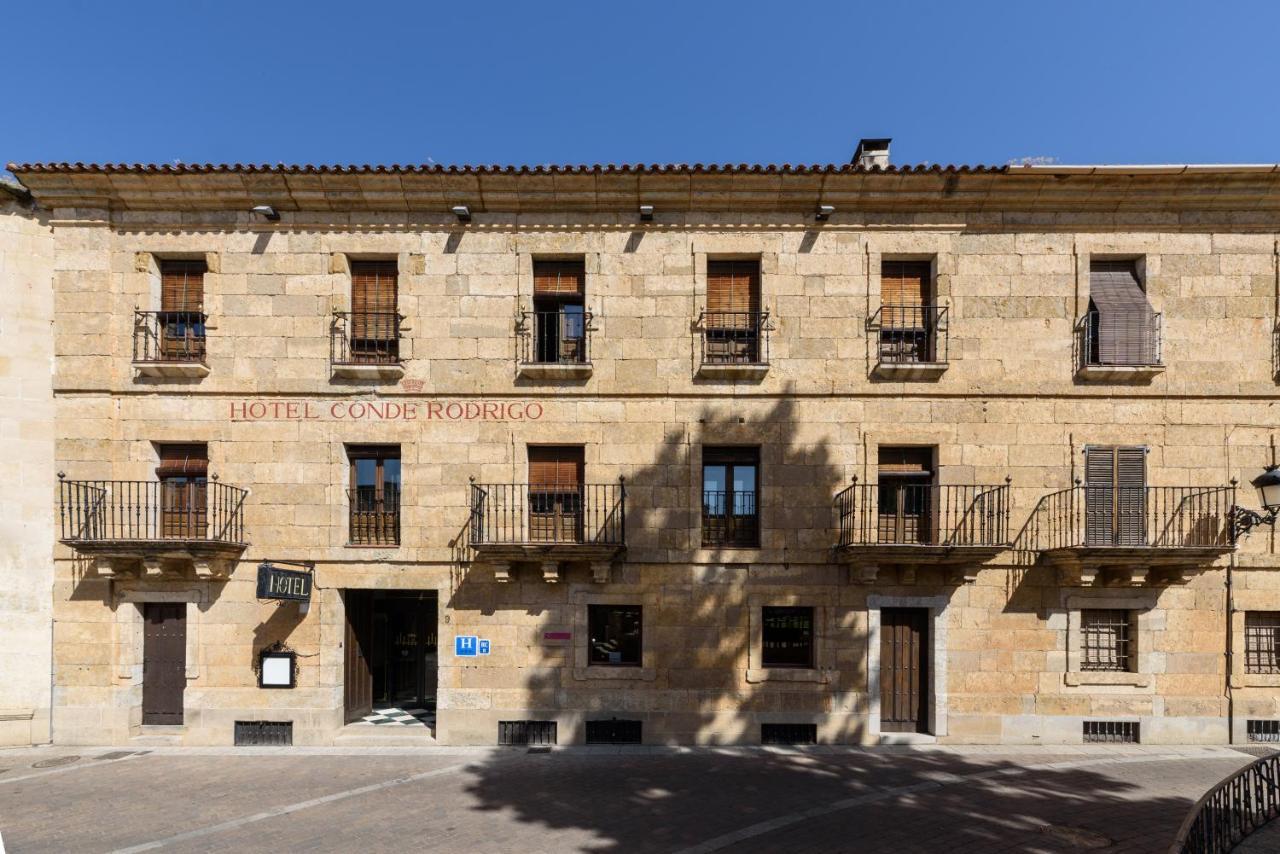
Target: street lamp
1268	485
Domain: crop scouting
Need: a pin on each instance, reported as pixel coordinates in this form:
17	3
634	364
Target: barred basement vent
788	733
1259	730
526	733
1111	732
264	733
613	731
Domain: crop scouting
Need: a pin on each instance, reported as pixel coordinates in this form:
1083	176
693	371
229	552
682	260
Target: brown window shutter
182	286
1126	322
1115	495
183	460
558	467
559	277
893	460
733	286
374	286
904	283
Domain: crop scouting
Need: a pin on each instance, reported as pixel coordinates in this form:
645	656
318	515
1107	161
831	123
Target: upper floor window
370	333
555	493
1262	642
373	494
1115	495
905	494
730	484
733	325
615	635
183	471
175	333
1106	640
911	321
1121	328
786	636
559	320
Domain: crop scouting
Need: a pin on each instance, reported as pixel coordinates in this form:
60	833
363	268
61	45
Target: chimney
872	152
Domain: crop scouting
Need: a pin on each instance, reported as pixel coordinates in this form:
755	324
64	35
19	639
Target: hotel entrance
391	657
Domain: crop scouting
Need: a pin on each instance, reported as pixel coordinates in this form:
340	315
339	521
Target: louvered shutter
183	460
1125	325
554	468
904	293
1131	496
1099	495
1115	496
733	293
559	277
374	287
182	489
182	286
555	494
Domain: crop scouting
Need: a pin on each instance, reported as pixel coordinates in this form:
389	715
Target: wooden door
181	320
555	494
904	670
906	493
357	682
184	500
1115	495
164	662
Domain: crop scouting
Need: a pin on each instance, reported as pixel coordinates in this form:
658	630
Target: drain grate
526	733
1111	732
1264	731
264	733
788	733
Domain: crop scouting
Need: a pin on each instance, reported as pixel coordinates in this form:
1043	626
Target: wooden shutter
733	286
559	277
1126	323
892	460
183	460
1115	495
904	283
182	286
374	286
558	467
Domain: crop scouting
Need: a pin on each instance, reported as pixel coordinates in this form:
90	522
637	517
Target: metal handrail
912	334
730	518
169	336
365	338
1135	342
734	337
1166	517
925	514
550	337
374	515
522	513
146	510
1231	810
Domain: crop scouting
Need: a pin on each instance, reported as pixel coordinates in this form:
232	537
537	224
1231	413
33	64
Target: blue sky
578	82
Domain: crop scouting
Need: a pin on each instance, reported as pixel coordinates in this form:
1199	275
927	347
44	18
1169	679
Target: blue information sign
465	645
484	647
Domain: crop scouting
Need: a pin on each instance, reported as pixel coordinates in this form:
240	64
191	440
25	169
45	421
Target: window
615	635
1121	327
555	493
729	489
183	472
374	494
559	314
374	332
733	322
787	637
1115	496
908	314
1262	642
906	495
1106	640
180	323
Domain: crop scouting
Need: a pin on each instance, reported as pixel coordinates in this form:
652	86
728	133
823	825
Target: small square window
1262	642
1106	640
615	632
786	637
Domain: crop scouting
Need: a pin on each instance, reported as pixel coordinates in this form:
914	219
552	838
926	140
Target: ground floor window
787	639
615	632
1262	642
1106	639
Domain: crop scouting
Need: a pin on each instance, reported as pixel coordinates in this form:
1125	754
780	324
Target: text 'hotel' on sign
385	410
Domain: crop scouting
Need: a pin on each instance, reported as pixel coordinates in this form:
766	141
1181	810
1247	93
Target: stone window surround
1145	252
407	264
937	607
934	248
1244	601
824	629
727	436
129	635
1146	618
148	264
582	669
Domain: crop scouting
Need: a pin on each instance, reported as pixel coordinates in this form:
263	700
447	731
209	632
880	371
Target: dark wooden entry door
904	670
164	662
357	682
404	648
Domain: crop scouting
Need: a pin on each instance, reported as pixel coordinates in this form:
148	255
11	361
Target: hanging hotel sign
385	410
276	582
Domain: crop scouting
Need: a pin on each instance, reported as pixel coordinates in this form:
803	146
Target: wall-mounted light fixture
824	212
1243	519
646	213
267	212
462	212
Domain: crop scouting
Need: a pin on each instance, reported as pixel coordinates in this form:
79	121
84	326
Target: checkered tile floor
394	716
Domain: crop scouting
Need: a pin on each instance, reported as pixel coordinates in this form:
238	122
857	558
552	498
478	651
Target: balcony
516	522
913	341
373	516
169	344
910	525
730	520
555	344
1120	346
365	345
735	344
1128	535
124	523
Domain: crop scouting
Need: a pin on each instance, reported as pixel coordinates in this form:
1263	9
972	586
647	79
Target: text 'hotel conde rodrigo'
384	410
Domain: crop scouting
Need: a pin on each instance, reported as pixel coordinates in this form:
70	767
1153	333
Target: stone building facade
746	486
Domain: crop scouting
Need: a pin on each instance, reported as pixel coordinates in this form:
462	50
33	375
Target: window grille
1266	731
264	733
1105	636
526	733
1262	642
613	731
1111	732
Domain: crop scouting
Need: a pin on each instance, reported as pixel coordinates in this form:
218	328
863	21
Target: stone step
367	735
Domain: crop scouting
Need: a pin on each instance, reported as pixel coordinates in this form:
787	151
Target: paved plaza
993	799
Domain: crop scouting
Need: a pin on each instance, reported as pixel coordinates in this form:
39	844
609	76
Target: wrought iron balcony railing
730	519
908	514
555	337
365	338
735	337
374	516
168	336
524	514
105	511
1233	809
911	334
1123	338
1156	517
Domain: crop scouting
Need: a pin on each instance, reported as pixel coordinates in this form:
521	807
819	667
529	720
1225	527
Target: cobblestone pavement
622	799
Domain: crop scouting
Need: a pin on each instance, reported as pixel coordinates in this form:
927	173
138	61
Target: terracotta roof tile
493	169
